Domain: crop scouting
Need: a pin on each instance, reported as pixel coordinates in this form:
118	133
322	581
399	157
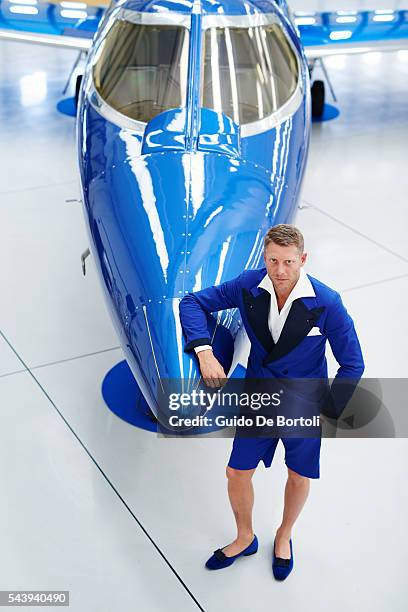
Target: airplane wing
333	33
65	24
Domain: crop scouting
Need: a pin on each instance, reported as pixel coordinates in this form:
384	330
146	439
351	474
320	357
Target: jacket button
285	371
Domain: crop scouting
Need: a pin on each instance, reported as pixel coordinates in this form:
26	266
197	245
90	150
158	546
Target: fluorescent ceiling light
305	20
346	19
23	10
29	2
341	35
383	17
69	14
77	5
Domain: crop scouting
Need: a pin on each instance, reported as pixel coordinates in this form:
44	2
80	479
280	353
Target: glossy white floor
122	519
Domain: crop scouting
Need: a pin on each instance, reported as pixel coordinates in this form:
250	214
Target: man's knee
234	474
296	478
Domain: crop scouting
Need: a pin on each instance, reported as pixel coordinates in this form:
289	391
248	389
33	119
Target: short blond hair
285	235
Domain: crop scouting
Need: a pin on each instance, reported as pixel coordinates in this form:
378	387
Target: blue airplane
193	126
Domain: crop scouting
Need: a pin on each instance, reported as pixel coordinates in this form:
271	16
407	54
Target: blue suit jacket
295	355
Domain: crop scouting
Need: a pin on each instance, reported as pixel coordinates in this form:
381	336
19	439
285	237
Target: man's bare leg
296	492
241	495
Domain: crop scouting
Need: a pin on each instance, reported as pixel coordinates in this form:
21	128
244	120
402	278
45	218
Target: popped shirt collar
303	288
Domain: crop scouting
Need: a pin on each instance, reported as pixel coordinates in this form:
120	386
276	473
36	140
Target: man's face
283	265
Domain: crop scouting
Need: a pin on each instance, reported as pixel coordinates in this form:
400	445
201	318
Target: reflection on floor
125	520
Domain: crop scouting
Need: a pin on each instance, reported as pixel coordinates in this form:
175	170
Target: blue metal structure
328	32
180	185
35	21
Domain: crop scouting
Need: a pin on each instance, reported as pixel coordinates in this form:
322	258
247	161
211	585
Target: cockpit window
141	70
249	73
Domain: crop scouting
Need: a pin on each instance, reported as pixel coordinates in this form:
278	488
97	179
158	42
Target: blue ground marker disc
67	107
330	112
123	397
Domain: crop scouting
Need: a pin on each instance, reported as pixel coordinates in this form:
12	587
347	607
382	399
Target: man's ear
303	258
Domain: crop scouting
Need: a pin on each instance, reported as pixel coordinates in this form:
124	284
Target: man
288	316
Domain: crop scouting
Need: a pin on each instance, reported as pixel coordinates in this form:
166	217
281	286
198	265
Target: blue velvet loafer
282	567
219	560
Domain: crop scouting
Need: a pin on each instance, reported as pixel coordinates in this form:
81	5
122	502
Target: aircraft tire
318	96
77	88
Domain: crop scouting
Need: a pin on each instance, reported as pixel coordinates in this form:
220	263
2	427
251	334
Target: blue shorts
302	455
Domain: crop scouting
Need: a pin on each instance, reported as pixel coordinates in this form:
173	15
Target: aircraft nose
167	224
165	341
156	349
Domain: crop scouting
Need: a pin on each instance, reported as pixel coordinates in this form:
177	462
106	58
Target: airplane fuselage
193	134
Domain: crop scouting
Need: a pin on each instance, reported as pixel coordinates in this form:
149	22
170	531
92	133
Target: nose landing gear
77	88
318	90
318	98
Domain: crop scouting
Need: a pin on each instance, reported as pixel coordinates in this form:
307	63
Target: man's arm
342	336
194	308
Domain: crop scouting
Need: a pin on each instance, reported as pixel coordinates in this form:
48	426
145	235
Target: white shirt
276	319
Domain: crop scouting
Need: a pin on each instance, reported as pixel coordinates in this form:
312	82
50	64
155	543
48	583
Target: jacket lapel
298	324
257	313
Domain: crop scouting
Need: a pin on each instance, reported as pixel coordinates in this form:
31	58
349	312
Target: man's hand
211	369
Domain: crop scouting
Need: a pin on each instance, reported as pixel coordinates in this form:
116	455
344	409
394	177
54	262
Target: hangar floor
122	519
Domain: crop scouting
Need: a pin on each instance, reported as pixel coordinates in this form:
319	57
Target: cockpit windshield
249	73
141	70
